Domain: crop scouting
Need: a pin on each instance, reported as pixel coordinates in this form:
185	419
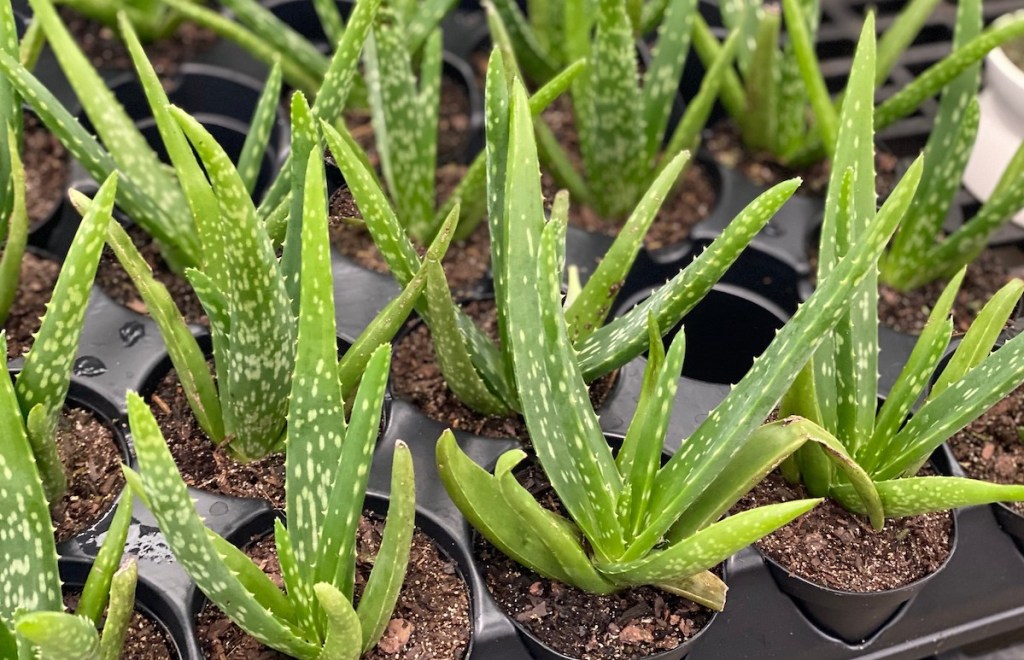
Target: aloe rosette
478	371
838	389
327	468
630	519
32	618
920	253
621	115
779	80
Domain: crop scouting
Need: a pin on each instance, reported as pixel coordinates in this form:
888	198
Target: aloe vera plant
620	116
779	81
327	468
42	384
13	229
920	253
251	297
478	371
838	387
631	520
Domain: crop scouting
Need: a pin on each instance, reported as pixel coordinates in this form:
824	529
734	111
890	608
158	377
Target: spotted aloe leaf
126	144
13	232
538	62
259	352
405	117
28	560
10	116
624	338
260	127
917	495
661	80
43	382
59	635
103	584
814	81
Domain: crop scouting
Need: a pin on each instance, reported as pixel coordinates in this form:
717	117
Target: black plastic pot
852	617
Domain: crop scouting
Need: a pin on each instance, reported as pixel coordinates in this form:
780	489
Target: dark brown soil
416	378
104	48
630	624
46	169
431	619
117	284
724	143
992	447
35	286
204	466
832	547
454	120
92	462
145	640
466	263
690	203
908	311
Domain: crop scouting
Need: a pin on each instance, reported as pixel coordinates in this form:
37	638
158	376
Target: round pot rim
865	595
998	58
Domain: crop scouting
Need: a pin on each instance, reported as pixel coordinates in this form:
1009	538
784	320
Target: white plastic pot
1001	128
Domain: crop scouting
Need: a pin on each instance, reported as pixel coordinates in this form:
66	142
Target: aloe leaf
330	19
185	353
619	341
253	579
119	614
16	238
44	379
704	588
609	116
810	71
189	539
687	133
706	44
129	148
256	390
982	335
453	358
10	112
591	307
582	471
424	20
936	77
714	442
260	127
559	536
344	635
640	456
402	119
341	72
28	559
316	422
710	546
913	496
661	80
760	125
59	635
913	378
388	573
304	138
97	587
477	494
958	405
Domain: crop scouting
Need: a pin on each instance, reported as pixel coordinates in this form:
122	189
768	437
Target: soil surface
629	624
454	121
431	619
92	462
832	547
992	447
416	378
690	203
466	263
145	639
724	143
104	48
204	466
117	284
46	165
908	311
35	286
